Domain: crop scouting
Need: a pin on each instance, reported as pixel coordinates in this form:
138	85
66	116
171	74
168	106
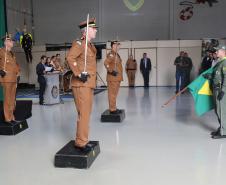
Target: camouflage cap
223	47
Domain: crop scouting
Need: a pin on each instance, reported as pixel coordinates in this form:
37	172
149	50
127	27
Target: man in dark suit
206	62
40	70
145	68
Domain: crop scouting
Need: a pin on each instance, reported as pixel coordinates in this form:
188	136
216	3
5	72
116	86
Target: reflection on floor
153	145
33	94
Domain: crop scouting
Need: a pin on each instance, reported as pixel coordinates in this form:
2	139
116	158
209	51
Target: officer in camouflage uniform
218	79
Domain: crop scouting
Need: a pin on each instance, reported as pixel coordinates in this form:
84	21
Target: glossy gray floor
153	145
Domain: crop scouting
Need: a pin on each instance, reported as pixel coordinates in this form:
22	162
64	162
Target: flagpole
174	97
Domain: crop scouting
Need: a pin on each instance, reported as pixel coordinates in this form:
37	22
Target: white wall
161	53
206	22
56	20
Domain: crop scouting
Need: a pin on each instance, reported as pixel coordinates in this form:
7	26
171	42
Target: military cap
7	37
114	42
92	23
220	47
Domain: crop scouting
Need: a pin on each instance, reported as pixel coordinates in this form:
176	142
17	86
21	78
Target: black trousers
42	84
28	54
146	78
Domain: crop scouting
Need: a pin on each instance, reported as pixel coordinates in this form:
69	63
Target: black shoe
217	132
217	135
114	112
10	122
87	148
16	121
117	111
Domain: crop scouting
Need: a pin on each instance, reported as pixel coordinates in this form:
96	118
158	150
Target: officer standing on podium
113	64
83	80
9	76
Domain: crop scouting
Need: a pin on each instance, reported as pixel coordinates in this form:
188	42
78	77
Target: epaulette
79	42
110	54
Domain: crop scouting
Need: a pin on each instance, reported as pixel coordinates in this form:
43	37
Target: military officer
131	67
218	80
113	64
83	81
9	74
219	88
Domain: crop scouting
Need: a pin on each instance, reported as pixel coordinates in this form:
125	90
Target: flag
202	93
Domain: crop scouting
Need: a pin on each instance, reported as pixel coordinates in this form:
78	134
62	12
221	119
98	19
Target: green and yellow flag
202	94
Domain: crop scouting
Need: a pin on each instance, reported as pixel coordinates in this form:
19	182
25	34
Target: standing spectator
48	65
215	59
145	68
40	70
52	61
180	63
131	67
188	68
206	62
58	63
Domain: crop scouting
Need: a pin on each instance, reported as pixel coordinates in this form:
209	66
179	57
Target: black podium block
23	110
12	128
69	156
108	117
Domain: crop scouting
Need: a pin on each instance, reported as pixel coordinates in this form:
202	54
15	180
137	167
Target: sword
5	54
221	126
87	30
116	54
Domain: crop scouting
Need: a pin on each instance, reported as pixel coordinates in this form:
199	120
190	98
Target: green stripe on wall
2	20
2	32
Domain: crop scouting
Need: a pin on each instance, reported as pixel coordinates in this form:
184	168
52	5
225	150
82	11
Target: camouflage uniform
219	88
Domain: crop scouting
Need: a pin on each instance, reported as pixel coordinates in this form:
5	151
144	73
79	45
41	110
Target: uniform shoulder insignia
79	42
110	54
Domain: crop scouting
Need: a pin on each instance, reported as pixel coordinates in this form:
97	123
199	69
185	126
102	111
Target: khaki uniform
9	82
131	67
57	65
83	92
113	63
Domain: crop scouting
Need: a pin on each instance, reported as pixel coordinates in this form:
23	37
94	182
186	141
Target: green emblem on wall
133	5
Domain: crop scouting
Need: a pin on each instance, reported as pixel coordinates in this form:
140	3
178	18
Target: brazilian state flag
202	94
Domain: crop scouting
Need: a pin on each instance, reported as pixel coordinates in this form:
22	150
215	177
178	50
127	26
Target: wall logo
133	5
54	92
